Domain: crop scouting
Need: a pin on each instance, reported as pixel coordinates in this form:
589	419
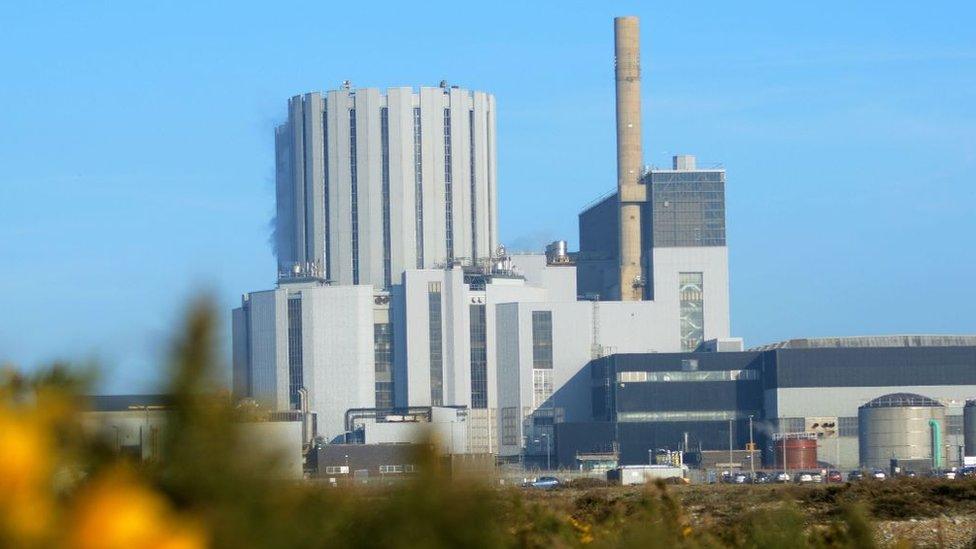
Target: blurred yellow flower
25	499
118	512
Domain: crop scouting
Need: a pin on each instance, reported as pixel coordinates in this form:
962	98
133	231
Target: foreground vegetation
61	488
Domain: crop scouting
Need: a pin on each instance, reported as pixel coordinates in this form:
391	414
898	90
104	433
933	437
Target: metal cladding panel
492	179
241	359
969	429
481	239
369	178
340	186
338	353
461	171
403	254
284	237
432	146
314	176
581	438
268	350
870	367
896	433
296	123
738	396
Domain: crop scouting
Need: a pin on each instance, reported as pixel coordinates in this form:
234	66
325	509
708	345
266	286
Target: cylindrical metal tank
899	426
969	427
795	451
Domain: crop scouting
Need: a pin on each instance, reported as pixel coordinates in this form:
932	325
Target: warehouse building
699	401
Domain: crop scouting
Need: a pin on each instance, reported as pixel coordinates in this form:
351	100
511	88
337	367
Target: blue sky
136	149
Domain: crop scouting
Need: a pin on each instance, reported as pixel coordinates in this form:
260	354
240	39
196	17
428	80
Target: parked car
909	474
740	478
761	478
967	472
947	474
855	476
781	476
544	483
806	477
834	476
878	474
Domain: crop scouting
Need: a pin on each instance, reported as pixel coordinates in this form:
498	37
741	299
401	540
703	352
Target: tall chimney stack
630	191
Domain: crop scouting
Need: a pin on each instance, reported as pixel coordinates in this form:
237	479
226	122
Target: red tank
798	453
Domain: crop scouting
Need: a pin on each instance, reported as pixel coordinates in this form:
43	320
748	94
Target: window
692	318
385	154
448	192
436	345
294	350
847	426
408	468
353	175
479	357
695	415
541	388
674	376
383	359
418	178
385	469
336	470
953	425
510	420
542	339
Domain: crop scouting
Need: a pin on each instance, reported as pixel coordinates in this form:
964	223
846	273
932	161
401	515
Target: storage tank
792	451
902	426
969	427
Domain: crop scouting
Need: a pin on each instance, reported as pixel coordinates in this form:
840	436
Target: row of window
695	415
717	375
384	469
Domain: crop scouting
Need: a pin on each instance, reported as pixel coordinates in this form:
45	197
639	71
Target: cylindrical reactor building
969	427
899	426
371	184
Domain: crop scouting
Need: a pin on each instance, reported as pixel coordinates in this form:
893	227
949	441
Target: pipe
936	444
630	192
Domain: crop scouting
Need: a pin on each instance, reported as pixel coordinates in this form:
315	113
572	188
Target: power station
396	304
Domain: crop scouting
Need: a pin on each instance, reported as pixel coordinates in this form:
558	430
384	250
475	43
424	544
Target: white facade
371	184
309	336
433	361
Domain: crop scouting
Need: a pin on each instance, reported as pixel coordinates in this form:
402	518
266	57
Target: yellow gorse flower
117	511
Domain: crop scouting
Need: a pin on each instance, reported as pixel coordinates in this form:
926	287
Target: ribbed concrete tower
631	191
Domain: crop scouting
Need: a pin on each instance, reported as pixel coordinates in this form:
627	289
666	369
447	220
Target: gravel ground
944	532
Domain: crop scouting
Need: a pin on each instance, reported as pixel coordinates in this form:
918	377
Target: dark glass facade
435	332
295	381
688	208
479	357
383	359
542	340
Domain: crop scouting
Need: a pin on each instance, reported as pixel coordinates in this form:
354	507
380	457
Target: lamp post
730	448
752	452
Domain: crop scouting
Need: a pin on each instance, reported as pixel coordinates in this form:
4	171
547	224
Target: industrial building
395	299
369	184
707	400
